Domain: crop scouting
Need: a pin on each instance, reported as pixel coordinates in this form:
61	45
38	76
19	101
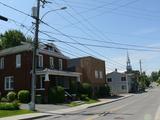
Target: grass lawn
7	113
75	103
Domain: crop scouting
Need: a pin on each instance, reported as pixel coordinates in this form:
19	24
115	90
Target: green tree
11	38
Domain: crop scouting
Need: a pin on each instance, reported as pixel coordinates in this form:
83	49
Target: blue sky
124	21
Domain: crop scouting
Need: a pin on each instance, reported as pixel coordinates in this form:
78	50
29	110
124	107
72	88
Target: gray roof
28	47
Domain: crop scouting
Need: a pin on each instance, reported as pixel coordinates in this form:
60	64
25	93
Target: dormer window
50	48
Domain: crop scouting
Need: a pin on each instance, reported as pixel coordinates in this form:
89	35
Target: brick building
92	69
16	69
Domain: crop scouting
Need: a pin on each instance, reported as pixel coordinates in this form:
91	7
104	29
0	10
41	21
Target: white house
118	82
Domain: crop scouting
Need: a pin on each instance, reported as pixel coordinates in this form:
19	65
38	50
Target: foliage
144	81
3	99
86	89
9	106
24	96
56	95
11	96
104	91
84	97
12	38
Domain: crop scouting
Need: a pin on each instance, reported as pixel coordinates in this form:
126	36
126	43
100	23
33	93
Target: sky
98	22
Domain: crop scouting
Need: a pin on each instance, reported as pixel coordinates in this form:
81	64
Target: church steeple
128	67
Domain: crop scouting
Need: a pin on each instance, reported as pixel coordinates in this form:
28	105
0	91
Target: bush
104	91
86	89
9	106
84	97
3	99
11	96
56	95
24	96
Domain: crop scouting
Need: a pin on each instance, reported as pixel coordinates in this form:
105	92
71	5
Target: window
109	79
9	83
96	74
51	61
2	63
124	87
123	78
18	61
60	64
40	83
40	60
100	75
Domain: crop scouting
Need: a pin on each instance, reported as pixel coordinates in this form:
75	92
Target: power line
109	42
23	13
87	34
103	46
72	46
15	9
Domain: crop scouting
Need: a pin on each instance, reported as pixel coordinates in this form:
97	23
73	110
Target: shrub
104	91
86	89
56	95
11	96
24	96
9	106
84	97
3	99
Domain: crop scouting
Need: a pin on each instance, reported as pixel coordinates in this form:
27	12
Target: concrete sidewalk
66	110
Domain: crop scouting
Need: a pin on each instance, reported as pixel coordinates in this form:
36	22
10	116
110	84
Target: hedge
9	106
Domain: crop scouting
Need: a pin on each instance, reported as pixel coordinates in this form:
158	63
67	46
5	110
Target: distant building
92	69
118	82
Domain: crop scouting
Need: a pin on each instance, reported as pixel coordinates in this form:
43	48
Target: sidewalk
66	110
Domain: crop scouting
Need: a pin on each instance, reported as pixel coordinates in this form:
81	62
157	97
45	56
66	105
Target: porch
48	78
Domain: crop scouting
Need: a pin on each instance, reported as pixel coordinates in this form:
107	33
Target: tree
11	38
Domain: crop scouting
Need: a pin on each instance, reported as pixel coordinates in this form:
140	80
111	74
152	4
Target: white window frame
42	78
18	60
51	62
2	63
40	60
100	74
10	80
60	64
96	73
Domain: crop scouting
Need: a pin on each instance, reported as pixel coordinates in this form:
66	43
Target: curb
110	101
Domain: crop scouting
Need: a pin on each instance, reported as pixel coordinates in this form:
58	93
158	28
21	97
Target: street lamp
62	8
3	18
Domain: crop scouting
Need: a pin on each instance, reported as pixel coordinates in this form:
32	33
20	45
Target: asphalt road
144	106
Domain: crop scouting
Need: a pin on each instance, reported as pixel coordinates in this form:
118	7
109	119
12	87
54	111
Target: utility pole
140	64
35	15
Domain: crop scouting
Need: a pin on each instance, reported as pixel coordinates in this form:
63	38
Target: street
142	106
